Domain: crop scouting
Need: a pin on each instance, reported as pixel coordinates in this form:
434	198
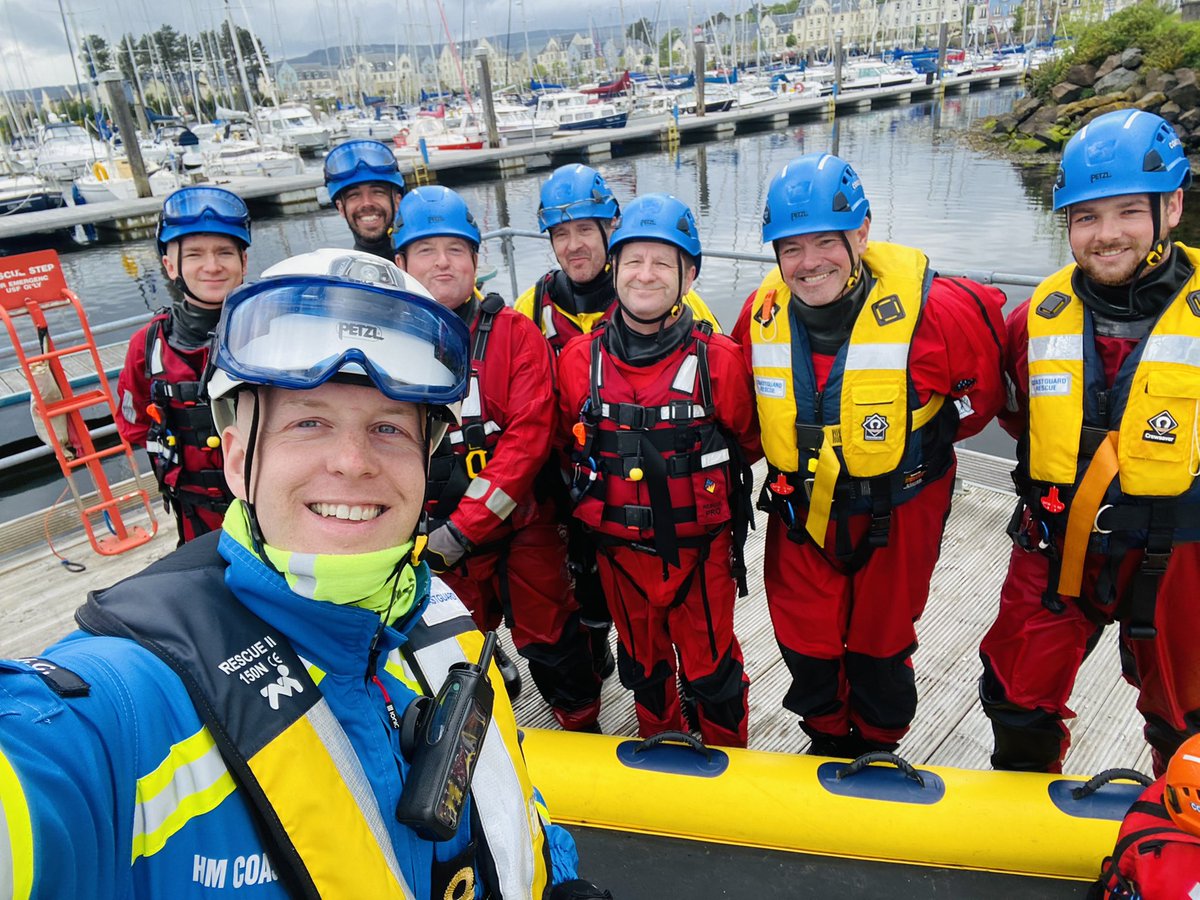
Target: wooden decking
39	596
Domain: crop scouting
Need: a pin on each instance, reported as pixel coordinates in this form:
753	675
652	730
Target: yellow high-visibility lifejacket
866	426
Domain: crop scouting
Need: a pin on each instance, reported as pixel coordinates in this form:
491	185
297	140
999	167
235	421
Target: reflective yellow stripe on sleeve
190	782
16	836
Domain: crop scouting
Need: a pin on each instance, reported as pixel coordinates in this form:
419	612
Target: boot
509	672
603	661
582	719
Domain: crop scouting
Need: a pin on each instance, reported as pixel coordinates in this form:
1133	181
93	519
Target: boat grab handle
881	756
675	737
1096	782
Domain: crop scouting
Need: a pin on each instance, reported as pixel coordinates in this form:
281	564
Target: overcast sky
34	50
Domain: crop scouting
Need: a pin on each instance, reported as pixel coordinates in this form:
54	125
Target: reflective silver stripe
489	427
304	567
1172	348
495	787
150	814
876	356
548	328
708	460
470	405
350	769
500	503
771	356
156	352
1056	347
154	447
478	488
685	378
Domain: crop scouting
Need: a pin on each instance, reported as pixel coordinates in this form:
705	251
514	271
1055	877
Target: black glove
446	547
578	889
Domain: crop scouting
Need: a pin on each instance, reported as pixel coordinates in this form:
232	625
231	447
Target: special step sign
31	276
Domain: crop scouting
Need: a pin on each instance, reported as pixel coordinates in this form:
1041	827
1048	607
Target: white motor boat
436	135
236	150
24	192
573	111
875	74
293	124
114	181
755	96
65	151
515	124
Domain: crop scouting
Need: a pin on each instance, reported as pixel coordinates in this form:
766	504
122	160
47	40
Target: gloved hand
578	889
446	548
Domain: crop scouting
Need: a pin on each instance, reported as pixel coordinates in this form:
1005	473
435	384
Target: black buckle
809	437
877	535
1155	564
680	410
474	435
630	415
1138	632
639	517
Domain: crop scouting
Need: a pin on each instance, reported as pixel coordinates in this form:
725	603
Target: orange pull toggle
636	474
767	312
213	442
1051	503
579	429
155	413
780	486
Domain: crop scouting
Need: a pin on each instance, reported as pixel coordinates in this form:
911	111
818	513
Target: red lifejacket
1153	858
466	449
659	472
183	442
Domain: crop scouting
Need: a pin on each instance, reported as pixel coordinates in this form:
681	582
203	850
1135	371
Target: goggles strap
256	535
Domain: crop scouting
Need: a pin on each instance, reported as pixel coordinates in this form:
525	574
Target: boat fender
99	171
401	138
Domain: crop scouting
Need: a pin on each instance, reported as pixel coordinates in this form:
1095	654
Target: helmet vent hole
840	203
1152	162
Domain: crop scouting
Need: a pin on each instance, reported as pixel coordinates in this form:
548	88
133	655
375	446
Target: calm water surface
928	187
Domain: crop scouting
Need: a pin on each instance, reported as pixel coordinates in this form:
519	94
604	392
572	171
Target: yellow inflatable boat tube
1013	822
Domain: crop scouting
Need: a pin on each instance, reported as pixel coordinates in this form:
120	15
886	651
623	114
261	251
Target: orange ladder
31	284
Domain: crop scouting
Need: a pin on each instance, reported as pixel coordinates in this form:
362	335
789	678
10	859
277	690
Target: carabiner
476	461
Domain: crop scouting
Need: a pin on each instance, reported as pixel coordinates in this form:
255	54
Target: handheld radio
445	735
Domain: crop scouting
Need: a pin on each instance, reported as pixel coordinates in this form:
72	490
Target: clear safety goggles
370	156
189	206
298	331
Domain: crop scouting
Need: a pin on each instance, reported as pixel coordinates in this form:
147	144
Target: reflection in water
927	186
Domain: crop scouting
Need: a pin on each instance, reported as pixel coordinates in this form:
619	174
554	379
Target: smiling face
1110	237
337	469
212	265
581	248
816	266
368	209
445	266
648	280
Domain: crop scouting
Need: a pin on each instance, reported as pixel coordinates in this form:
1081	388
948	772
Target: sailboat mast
241	64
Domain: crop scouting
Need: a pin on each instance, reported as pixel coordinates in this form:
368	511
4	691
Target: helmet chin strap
178	279
256	535
1157	251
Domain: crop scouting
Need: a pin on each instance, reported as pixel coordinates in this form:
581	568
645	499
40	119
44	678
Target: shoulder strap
154	341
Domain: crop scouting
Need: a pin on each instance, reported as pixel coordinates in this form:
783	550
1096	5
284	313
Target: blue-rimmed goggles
359	156
193	205
299	331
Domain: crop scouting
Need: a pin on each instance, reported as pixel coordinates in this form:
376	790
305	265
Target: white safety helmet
301	328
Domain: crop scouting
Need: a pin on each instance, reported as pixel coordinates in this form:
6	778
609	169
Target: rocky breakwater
1042	124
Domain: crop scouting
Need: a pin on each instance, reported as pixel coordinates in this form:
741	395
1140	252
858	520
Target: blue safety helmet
817	192
659	217
575	192
1124	152
203	210
361	162
433	211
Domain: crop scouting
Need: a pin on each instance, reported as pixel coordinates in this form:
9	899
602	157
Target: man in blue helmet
365	185
493	533
203	234
253	710
656	414
867	368
1104	381
579	211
